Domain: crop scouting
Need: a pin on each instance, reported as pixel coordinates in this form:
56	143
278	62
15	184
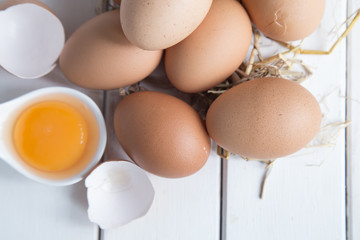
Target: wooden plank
304	196
30	210
353	132
185	208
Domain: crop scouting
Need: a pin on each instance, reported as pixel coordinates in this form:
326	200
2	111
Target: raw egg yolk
50	136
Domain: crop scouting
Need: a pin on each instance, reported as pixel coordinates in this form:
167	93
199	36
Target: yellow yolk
50	136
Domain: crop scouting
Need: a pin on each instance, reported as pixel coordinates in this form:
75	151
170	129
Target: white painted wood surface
353	132
314	194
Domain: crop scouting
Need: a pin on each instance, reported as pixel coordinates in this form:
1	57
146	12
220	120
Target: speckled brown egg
213	51
162	134
286	20
159	24
264	118
98	55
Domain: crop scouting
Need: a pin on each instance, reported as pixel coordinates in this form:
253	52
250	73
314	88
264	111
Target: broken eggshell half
118	192
32	39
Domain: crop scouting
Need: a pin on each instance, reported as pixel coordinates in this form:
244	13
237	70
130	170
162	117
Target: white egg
118	192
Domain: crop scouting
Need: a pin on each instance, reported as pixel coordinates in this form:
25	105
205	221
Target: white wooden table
312	195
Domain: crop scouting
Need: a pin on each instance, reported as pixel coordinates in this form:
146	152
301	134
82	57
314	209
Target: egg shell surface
213	51
159	24
118	192
44	34
286	20
98	55
162	134
264	118
5	4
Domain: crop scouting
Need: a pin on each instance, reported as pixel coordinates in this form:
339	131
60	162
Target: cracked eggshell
162	134
99	56
285	20
118	192
32	39
159	24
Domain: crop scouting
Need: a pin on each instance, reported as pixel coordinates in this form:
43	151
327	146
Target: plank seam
105	112
347	135
223	197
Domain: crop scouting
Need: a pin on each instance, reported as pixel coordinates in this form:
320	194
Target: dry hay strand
136	87
278	65
268	169
328	133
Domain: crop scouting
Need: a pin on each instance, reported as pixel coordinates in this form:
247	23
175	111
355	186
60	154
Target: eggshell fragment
98	55
162	134
118	192
213	51
32	40
5	4
286	20
264	118
159	24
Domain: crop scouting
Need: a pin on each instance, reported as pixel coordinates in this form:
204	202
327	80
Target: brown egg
5	4
213	51
159	24
162	134
98	55
264	118
285	20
